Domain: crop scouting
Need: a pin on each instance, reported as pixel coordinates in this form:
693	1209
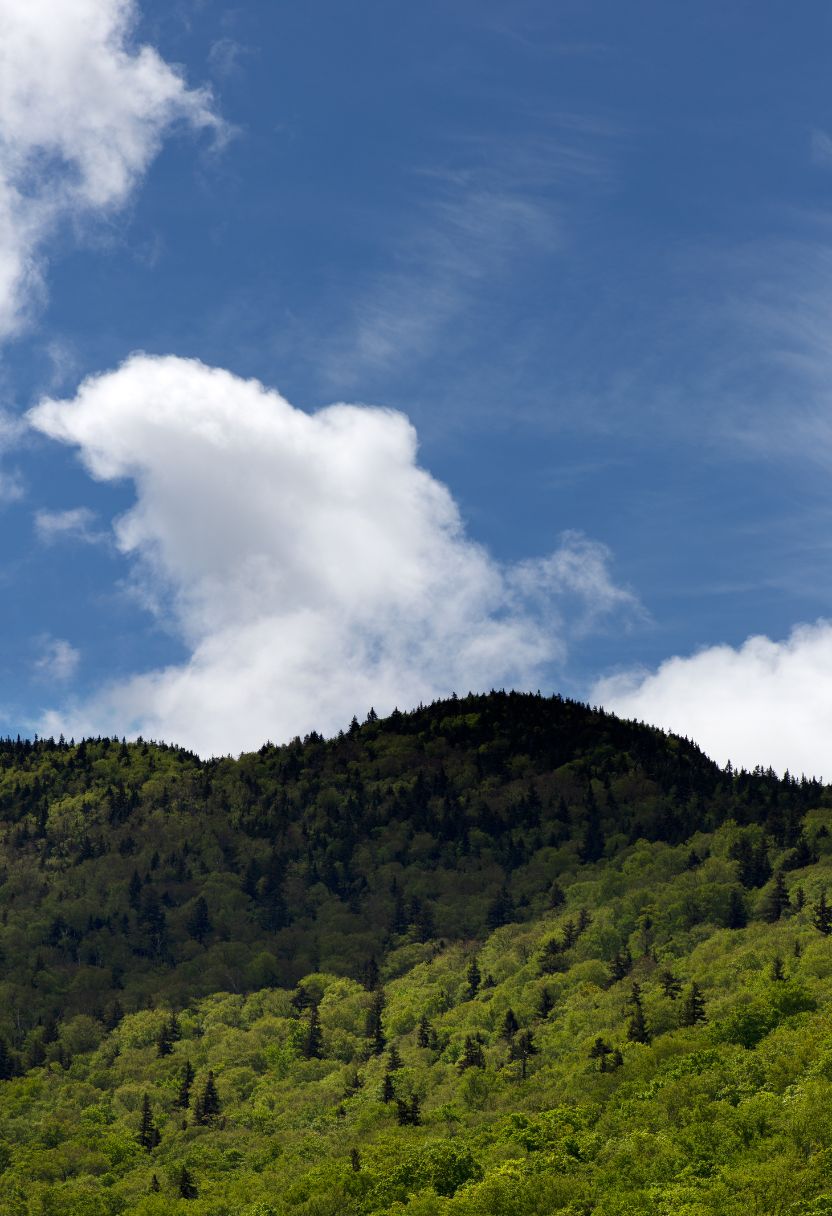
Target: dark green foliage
510	1026
425	1032
374	1028
186	1185
198	923
637	1031
822	915
473	978
621	965
472	1053
186	1080
313	1038
148	1136
737	912
777	899
692	1010
207	1104
670	985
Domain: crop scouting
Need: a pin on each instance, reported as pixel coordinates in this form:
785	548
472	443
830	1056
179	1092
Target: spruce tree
186	1079
186	1184
472	1054
198	923
777	901
207	1105
669	984
474	978
374	1027
737	917
510	1026
148	1136
692	1011
822	915
313	1041
424	1033
388	1089
637	1031
523	1048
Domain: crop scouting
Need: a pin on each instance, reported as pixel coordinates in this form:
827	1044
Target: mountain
504	954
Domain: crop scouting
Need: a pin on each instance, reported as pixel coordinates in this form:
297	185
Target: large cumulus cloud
311	566
764	702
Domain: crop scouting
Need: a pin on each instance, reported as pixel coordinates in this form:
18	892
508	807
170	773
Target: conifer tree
198	923
692	1010
424	1033
148	1132
545	1005
313	1042
186	1184
737	914
510	1026
778	971
621	965
670	984
374	1028
474	978
207	1105
777	901
388	1089
472	1054
355	1161
523	1048
186	1079
637	1031
822	915
155	1185
394	1060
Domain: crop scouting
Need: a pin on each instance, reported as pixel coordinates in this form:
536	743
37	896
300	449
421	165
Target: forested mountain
505	954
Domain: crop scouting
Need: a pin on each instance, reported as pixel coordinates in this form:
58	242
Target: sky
359	354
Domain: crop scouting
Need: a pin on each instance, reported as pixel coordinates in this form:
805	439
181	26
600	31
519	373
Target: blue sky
585	249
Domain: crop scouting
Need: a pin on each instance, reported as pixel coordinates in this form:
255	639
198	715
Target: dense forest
505	954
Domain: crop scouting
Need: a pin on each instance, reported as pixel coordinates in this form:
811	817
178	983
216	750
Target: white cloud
764	702
74	524
82	114
308	562
12	488
58	660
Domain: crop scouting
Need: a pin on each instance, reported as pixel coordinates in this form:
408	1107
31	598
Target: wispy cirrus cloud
76	523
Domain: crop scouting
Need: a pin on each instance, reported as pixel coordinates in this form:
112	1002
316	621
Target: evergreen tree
621	965
523	1048
670	985
198	923
637	1031
207	1105
388	1089
737	914
313	1041
545	1005
600	1051
148	1136
510	1026
692	1010
355	1161
374	1029
822	915
473	977
592	846
164	1042
155	1185
777	900
472	1054
424	1032
186	1079
186	1184
778	971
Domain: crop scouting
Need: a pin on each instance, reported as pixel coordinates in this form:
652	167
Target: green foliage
503	955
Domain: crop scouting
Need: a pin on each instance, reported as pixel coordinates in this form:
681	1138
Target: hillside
504	954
